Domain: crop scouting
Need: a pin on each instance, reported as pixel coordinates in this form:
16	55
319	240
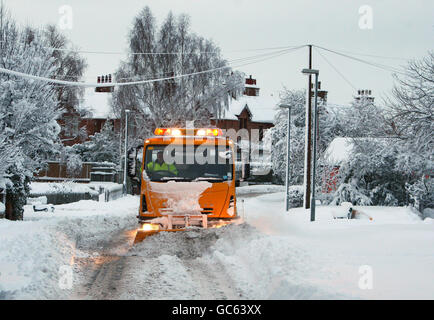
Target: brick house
77	127
251	111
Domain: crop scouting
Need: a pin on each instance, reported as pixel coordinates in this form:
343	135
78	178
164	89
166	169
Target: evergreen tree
103	146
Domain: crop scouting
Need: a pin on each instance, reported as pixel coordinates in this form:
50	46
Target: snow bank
32	252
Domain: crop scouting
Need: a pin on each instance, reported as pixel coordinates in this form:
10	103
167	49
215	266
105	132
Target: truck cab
188	179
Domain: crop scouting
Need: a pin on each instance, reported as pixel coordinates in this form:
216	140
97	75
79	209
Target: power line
162	53
239	60
337	71
120	84
374	64
137	78
373	55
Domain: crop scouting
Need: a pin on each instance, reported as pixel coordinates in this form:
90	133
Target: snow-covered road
274	255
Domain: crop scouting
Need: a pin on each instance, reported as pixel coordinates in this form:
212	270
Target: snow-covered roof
98	104
263	108
339	150
254	86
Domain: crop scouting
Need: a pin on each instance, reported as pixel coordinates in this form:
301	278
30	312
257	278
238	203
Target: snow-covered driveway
274	255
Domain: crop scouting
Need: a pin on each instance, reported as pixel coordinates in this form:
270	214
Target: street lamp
126	151
312	199
288	143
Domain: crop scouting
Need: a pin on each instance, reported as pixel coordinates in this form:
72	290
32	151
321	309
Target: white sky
400	29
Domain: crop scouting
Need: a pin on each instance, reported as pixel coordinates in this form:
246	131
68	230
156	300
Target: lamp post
312	199
288	143
126	151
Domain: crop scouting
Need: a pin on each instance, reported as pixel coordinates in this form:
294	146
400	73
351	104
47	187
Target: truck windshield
188	163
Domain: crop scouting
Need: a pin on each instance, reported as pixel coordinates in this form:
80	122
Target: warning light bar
204	132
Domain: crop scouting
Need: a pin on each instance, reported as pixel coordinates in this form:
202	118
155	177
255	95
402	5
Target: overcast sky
403	29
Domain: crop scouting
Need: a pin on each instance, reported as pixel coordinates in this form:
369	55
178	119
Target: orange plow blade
143	234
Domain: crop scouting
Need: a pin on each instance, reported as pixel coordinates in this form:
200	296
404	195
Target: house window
243	123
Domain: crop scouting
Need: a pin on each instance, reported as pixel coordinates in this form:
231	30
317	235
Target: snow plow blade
172	223
142	234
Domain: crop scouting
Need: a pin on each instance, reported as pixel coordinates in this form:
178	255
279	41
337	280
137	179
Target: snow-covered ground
291	257
34	252
274	255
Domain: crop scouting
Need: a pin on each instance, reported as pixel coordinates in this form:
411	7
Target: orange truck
187	179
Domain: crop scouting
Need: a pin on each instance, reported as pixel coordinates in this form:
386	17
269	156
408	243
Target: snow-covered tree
295	99
329	128
363	118
176	51
395	169
411	110
103	146
28	108
68	65
371	176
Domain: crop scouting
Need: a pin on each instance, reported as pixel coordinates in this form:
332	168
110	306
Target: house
337	153
249	117
77	125
250	111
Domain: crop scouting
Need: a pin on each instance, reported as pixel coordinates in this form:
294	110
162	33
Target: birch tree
177	51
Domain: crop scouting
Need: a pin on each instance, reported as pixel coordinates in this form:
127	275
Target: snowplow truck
187	179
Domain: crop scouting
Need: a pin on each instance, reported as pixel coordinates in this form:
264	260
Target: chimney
251	88
366	94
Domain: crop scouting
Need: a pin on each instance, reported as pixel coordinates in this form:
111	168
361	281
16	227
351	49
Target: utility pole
288	154
126	151
315	140
308	138
312	200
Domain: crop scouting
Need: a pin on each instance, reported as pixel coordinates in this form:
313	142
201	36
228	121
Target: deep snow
274	255
33	251
292	257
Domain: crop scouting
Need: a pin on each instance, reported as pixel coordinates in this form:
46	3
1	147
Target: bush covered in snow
391	162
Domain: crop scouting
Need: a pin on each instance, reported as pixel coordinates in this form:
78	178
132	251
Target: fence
64	198
90	171
113	193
